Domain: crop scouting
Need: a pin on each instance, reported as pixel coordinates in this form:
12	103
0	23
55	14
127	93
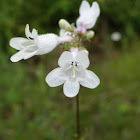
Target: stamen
31	38
73	71
72	63
76	64
73	67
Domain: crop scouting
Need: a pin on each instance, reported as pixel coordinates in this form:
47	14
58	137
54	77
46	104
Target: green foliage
122	15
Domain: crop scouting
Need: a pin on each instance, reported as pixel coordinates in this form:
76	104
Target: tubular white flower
72	72
35	44
88	16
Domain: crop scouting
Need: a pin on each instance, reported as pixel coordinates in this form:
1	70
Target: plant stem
77	117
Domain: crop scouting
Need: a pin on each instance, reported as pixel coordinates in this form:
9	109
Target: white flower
116	36
88	16
72	72
35	44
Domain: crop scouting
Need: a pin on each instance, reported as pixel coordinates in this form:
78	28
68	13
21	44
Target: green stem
77	117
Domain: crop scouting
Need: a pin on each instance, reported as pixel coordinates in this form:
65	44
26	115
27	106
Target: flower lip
88	15
32	35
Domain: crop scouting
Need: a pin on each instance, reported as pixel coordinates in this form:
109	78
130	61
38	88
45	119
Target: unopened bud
64	25
89	34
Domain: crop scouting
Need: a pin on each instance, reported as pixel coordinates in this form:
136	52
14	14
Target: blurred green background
30	109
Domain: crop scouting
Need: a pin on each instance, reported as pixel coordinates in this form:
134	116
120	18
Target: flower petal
18	56
16	42
55	78
82	57
71	89
94	12
65	57
88	17
35	36
29	55
95	9
84	7
47	42
87	20
27	32
30	51
90	80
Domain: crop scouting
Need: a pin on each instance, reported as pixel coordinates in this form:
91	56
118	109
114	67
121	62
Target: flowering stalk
73	63
86	20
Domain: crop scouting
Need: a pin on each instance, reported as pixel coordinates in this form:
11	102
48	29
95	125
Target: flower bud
65	25
89	34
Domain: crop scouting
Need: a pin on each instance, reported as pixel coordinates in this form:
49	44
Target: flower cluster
73	63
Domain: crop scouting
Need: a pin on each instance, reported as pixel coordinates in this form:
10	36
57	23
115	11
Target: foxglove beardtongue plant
35	44
73	63
72	72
